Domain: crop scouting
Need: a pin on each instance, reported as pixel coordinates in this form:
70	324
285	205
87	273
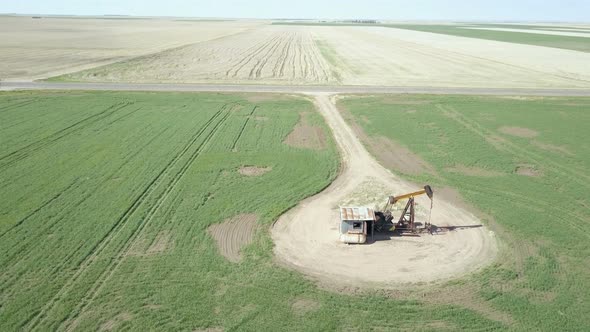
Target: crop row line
512	148
51	223
233	147
23	152
108	238
110	271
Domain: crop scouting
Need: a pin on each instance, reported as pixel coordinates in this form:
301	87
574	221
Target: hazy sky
523	10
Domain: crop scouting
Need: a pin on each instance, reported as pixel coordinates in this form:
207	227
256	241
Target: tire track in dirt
256	71
306	237
99	284
119	225
247	59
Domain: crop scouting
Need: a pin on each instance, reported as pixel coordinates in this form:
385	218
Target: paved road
290	88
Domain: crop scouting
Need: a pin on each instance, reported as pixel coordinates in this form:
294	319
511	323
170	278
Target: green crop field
107	198
523	163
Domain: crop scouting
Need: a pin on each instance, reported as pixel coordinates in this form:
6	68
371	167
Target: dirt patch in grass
473	171
234	233
113	324
552	148
528	170
254	170
518	132
209	329
302	306
305	135
160	244
396	156
465	296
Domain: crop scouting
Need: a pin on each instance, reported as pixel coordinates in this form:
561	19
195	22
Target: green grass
542	277
87	176
566	42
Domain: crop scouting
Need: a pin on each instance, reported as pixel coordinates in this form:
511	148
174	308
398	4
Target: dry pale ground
269	54
388	56
41	48
272	54
158	50
307	238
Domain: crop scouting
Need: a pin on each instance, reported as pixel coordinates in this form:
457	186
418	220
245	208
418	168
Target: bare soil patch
254	170
112	324
306	136
473	171
552	148
302	306
518	132
528	170
396	156
160	244
233	234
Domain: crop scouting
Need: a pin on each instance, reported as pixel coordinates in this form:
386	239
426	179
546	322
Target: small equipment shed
355	223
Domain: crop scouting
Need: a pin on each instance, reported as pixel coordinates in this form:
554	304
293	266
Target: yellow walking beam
427	190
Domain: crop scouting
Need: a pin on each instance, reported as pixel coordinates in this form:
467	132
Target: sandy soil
232	234
41	48
306	237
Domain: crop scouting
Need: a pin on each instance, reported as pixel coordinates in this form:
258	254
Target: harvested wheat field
326	55
267	54
52	46
388	56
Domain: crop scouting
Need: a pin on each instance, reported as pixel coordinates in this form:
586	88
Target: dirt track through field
306	237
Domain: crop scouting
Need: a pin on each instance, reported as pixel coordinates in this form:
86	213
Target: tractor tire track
17	105
256	71
233	147
113	266
25	151
100	246
246	59
511	147
43	205
54	221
